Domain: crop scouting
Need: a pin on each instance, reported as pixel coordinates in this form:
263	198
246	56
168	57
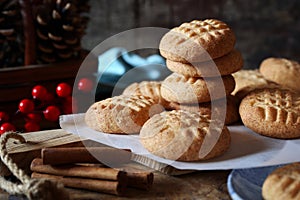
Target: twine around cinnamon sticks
59	164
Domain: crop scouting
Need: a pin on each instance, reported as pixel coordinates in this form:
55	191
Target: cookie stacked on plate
202	57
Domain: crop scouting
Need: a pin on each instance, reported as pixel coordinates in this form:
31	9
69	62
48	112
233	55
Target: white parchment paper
247	149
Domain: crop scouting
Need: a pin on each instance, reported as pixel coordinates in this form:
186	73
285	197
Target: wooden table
192	185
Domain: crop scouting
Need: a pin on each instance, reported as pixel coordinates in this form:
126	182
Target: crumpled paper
248	149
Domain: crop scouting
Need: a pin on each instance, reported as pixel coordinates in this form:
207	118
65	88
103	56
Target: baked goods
202	57
245	78
222	107
121	114
272	112
180	89
248	80
225	65
285	72
184	136
197	41
283	183
147	88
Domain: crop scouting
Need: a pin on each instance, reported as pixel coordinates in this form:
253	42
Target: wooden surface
197	185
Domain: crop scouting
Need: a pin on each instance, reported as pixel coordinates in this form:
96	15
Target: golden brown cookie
147	88
225	65
226	107
272	112
184	136
248	80
197	41
121	114
282	71
180	89
283	183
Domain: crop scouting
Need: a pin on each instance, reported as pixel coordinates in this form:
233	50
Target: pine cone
60	25
11	47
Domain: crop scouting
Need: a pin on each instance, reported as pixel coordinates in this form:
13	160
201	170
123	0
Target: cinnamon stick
79	171
110	187
106	155
141	180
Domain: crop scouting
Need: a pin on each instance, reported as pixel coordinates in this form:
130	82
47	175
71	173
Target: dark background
263	28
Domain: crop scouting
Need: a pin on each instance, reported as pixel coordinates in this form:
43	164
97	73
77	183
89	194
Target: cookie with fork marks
272	112
197	41
184	136
121	114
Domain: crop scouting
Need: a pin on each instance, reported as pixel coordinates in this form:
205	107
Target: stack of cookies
202	57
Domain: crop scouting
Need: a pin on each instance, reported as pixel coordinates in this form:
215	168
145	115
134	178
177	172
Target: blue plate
246	184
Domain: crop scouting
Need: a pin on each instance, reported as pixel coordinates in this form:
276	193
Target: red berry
33	117
31	126
39	92
3	117
49	97
26	106
63	90
70	105
51	113
7	127
85	85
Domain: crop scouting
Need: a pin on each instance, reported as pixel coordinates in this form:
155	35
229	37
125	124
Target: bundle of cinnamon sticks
90	168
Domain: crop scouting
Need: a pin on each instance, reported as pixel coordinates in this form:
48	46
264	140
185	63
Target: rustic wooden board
24	153
199	185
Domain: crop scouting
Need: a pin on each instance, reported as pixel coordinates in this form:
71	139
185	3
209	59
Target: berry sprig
44	106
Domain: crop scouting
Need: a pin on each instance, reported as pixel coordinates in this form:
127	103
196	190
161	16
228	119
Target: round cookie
272	112
147	88
121	114
197	41
231	112
184	136
224	65
283	183
180	89
282	71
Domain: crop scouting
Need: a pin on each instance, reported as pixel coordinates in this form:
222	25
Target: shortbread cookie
147	88
121	114
283	183
197	41
272	112
184	136
228	108
225	65
282	71
180	89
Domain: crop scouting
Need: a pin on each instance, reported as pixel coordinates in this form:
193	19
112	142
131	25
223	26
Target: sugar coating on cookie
121	114
283	71
184	136
224	109
197	41
283	183
181	89
272	112
147	88
225	65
